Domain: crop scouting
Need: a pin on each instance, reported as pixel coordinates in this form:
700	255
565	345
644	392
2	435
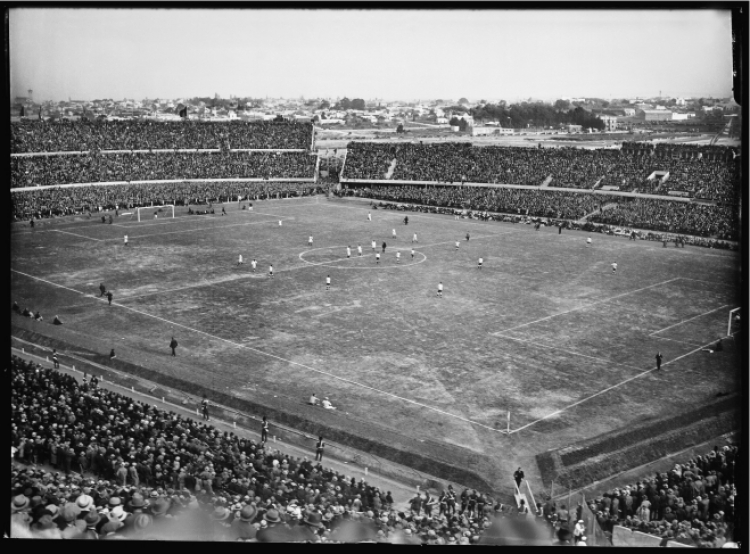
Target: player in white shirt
481	260
588	242
240	261
359	249
328	283
377	258
398	257
394	233
309	241
369	216
279	223
126	240
373	245
348	252
440	289
414	238
254	264
412	253
614	267
457	245
270	271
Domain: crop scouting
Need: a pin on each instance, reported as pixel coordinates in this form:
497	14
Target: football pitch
544	330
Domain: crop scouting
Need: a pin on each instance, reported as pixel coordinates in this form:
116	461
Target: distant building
682	116
655	115
629	111
680	102
571	128
610	122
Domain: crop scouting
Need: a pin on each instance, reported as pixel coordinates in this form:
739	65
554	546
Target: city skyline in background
88	54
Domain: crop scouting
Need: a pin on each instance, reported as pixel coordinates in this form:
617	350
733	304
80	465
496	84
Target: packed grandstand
91	463
669	188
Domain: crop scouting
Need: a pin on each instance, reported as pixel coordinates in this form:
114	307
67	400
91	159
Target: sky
85	54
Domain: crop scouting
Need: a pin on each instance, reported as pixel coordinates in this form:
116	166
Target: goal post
734	322
155	209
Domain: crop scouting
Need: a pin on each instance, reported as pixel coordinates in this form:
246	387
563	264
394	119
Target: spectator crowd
66	136
125	469
60	201
705	172
669	216
693	503
85	168
718	221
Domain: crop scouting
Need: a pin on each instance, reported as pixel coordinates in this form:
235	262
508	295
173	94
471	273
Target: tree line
535	114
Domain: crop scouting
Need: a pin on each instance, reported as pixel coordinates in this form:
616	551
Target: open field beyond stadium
544	330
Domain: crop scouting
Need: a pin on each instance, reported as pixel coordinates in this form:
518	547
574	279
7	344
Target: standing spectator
319	447
518	477
173	346
204	406
264	431
658	361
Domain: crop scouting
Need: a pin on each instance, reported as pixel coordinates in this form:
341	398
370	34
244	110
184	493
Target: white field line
690	319
539	344
198	229
262	275
76	235
183	219
673	340
333	263
219	281
586	306
237	345
709	282
165	221
610	388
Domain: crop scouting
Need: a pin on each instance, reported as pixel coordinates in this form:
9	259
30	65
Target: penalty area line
585	306
556	412
76	235
261	352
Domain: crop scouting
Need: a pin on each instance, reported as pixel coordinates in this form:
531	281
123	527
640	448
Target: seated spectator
327	404
57	321
313	400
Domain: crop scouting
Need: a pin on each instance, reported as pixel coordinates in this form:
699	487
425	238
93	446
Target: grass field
545	330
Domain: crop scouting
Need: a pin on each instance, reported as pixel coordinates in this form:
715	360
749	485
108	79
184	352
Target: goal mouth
734	325
153	212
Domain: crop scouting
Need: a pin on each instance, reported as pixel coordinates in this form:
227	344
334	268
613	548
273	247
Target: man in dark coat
173	345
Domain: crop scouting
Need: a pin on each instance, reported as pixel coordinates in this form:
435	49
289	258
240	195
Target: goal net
734	324
152	212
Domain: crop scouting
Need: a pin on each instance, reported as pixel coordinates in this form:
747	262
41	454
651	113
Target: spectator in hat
91	520
242	527
69	516
222	523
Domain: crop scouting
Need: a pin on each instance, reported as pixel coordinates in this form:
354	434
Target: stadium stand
709	172
58	201
64	136
715	222
118	468
692	504
71	169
